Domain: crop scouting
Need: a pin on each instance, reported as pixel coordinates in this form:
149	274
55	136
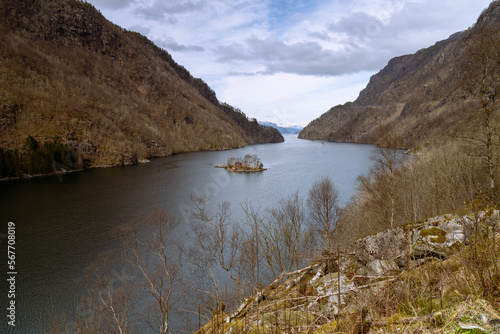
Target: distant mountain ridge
114	96
416	99
283	129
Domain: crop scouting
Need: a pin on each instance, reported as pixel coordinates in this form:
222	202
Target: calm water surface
63	224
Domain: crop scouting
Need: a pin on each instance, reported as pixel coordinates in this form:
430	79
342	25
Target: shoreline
146	160
64	172
241	171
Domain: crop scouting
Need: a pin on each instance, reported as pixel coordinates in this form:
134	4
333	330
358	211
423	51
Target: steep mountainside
419	98
66	72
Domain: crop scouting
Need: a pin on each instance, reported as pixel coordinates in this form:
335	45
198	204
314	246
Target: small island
249	164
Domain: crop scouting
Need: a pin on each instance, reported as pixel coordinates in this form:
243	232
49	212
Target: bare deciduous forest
305	265
108	93
259	273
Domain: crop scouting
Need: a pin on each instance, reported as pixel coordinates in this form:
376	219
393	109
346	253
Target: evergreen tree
31	144
3	166
37	159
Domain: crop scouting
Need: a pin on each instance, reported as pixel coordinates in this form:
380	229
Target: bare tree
384	182
250	254
215	250
231	161
157	259
482	66
324	211
286	241
251	161
108	304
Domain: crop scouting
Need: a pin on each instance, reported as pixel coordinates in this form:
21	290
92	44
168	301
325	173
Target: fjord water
63	223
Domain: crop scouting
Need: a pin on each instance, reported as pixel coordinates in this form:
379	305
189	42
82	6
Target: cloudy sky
289	61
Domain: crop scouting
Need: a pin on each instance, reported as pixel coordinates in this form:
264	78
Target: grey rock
386	245
382	267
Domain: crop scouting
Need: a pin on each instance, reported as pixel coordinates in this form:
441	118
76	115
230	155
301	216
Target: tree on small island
250	163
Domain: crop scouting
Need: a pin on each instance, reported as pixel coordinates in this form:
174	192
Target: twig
405	321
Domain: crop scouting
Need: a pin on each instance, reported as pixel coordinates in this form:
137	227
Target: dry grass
436	181
427	299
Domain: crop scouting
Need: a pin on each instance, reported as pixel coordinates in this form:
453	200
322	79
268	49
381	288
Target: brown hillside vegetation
67	72
421	98
416	250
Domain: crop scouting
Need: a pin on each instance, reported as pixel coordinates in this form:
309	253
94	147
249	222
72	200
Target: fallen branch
356	288
405	321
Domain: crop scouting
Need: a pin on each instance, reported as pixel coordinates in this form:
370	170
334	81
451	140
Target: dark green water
63	224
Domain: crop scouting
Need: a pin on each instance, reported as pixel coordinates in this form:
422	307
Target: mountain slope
415	99
67	72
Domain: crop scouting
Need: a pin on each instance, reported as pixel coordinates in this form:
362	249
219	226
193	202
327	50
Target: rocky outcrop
310	299
437	237
386	245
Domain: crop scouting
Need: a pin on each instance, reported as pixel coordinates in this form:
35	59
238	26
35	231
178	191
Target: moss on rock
435	234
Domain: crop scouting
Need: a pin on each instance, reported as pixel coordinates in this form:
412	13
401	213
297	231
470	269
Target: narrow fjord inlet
356	190
70	223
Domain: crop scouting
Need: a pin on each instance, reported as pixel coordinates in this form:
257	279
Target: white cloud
269	95
171	44
158	10
301	56
140	29
111	4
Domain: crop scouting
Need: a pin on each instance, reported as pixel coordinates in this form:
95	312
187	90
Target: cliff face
415	99
67	72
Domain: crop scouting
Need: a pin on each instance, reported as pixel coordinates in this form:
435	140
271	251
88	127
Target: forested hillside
109	94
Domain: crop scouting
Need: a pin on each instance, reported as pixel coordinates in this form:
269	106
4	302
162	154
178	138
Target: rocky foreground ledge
408	279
